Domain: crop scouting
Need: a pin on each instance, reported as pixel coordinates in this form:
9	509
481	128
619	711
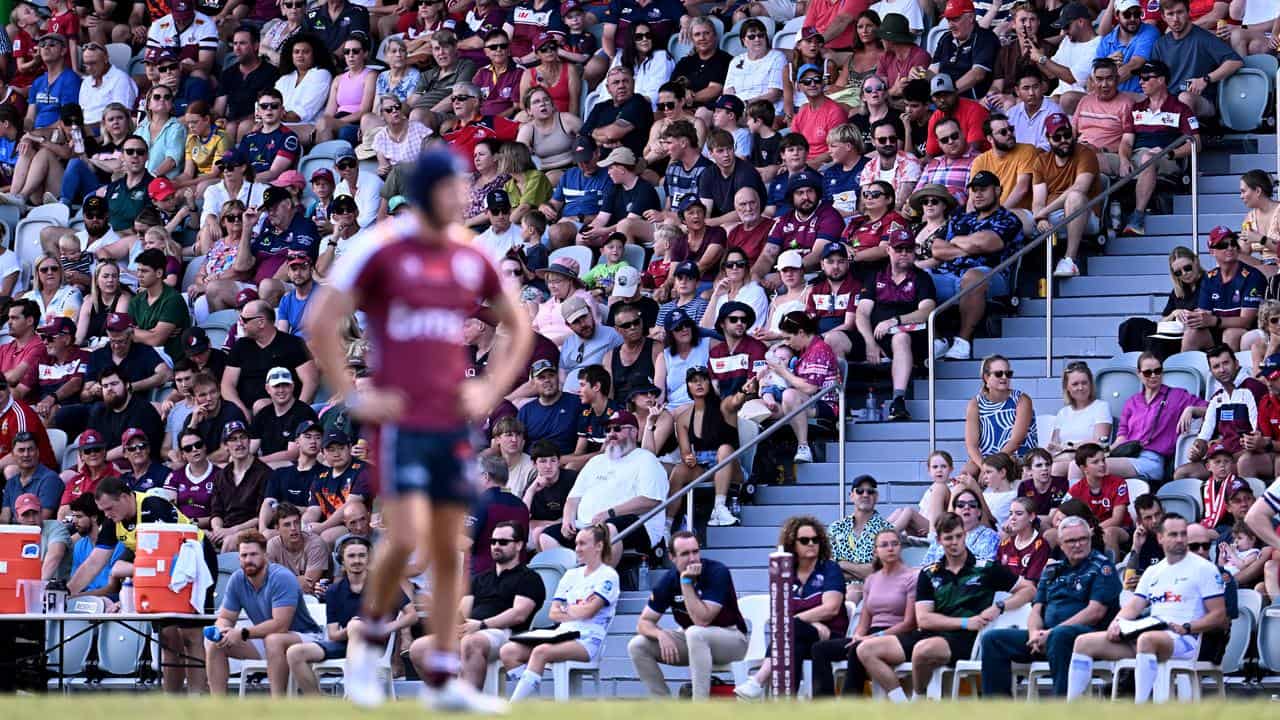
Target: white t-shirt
496	245
999	503
576	587
9	266
604	483
751	294
1079	57
752	78
909	8
1077	426
1177	592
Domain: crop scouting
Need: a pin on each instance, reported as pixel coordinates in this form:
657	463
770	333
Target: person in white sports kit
1183	590
1262	518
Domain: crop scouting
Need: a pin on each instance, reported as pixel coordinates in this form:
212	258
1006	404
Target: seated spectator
687	346
896	301
253	71
271	598
176	409
211	415
292	483
975	244
735	285
306	76
121	409
818	116
918	108
52	290
968	114
1032	111
874	99
260	348
935	206
808	227
854	538
868	233
832	301
1129	44
1231	414
1000	418
1229	297
363	186
705	243
192	483
1146	547
1012	162
141	473
706	434
548	491
1100	116
1157	432
703	602
86	521
624	207
680	142
27	476
625	119
1071	63
285	229
1189	598
351	94
275	424
816	366
552	415
509	441
841	178
273	147
584	601
1197	58
237	490
577	196
734	360
593	419
159	312
967	52
1022	548
431	100
637	360
342	602
20	365
1066	179
165	134
891	163
1154	123
55	538
302	553
817	598
61	372
587	344
58	85
1084	418
718	185
684	298
1072	598
951	168
1106	495
968	502
344	481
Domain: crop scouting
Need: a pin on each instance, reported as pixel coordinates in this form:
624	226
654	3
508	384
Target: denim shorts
1149	465
948	284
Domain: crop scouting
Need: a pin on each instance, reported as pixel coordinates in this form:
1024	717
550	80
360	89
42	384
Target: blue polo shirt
48	98
262	148
713	585
557	422
1227	299
45	484
1141	46
280	590
581	194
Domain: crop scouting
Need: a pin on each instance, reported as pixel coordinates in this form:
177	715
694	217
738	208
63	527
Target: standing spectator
703	602
1197	58
260	348
303	553
1154	123
237	490
1065	180
967	52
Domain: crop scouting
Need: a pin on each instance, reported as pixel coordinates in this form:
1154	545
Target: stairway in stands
1130	279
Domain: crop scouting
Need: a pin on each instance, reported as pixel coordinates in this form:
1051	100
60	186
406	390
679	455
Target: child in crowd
533	226
156	238
318	211
670	248
600	278
772	385
766	144
76	263
728	116
795	151
579	44
1242	551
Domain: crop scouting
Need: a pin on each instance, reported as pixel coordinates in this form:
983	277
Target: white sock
1144	677
896	695
720	500
1162	689
528	685
513	675
1079	675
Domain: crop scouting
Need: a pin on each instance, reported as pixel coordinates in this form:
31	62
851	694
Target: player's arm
501	372
326	344
89	569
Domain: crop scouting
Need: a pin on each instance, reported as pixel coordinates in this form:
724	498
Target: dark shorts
638	540
435	464
919	345
825	411
959	641
333	650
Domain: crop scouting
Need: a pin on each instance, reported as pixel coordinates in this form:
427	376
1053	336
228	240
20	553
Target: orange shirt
1020	160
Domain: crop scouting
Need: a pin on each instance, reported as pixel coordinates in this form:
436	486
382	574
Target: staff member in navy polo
1076	596
897	296
1230	295
703	602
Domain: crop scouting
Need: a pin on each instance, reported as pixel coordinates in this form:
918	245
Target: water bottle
643	580
735	506
126	596
1115	216
872	409
212	634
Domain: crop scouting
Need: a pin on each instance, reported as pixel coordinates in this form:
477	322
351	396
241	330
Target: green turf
155	707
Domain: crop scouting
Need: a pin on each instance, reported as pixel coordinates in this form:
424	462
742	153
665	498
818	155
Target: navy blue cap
431	168
835	248
804	179
688	268
335	437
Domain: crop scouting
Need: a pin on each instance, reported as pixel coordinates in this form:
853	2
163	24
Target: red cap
1219	236
1056	122
1216	449
245	296
25	503
956	8
118	322
91	439
133	434
161	188
297	257
622	417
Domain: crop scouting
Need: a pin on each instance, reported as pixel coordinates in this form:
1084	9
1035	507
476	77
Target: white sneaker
940	347
750	691
721	517
803	455
960	350
458	695
360	675
1066	268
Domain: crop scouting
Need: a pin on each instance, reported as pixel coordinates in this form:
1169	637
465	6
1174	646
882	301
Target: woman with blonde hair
106	295
50	291
527	186
1263	341
1185	274
1083	419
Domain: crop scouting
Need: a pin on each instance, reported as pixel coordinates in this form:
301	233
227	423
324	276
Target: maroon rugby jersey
416	297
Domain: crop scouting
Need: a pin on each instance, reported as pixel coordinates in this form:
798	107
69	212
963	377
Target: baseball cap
1218	449
809	67
573	308
91	439
626	282
732	103
1238	486
807	32
59	37
678	317
395	203
157	55
322	174
95	206
297	257
25	503
546	37
195	340
279	376
58	326
345	204
646	389
688	268
133	434
584	149
335	437
1220	237
273	196
734	306
1070	13
161	188
622	417
1154	67
290	178
835	248
181	8
619	156
806	178
540	366
497	201
1056	122
1123	5
570	6
865	480
307	426
790	259
985	178
118	322
901	238
941	83
237	157
346	153
233	427
956	8
245	296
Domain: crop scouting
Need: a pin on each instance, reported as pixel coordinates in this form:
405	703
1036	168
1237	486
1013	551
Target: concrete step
1126	305
1027	347
893	431
954	389
1157	245
827	473
1097	285
1072	326
1219	183
1244	163
1127	265
903	451
1219	202
1174	224
772	516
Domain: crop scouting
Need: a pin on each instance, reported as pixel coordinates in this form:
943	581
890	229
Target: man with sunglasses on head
240	83
271	148
1129	45
1155	122
1066	179
1230	295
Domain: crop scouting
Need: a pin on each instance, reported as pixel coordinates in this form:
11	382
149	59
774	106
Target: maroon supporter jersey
1027	562
416	297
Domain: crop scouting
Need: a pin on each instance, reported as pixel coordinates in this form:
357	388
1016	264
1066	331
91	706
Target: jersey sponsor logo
1168	596
729	364
405	324
1160	118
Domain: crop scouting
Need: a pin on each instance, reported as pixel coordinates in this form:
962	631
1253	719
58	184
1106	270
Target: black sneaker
898	409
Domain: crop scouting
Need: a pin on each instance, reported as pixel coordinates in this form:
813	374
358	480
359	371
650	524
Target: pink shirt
887	596
822	13
815	124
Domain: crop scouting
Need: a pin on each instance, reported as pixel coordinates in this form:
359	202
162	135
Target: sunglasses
1061	137
734	264
462	98
666	106
50	268
967	505
887	140
629	324
1198	547
501	542
872	88
736	319
864	491
168	68
137	447
549	47
497	46
193	447
293	5
269	106
90	451
754	36
246	320
616	428
872	194
346	164
1002	132
643	36
808	540
161	97
352	51
391	108
1223	246
135	152
1183	270
1145	78
1001	374
233	218
932	201
1152	372
810	82
948	139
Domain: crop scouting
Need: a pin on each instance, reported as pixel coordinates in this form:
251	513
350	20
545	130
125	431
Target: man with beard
899	297
891	164
833	299
975	244
237	489
1070	65
261	348
553	414
735	359
1099	117
271	598
1231	414
1066	179
588	343
120	409
1128	45
615	488
1009	160
950	105
808	227
752	232
141	365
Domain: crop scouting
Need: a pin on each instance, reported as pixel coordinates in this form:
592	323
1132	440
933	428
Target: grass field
134	707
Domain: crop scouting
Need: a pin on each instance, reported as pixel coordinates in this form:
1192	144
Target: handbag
1133	448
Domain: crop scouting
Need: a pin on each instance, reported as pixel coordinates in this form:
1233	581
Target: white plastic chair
550	565
77	637
755	610
973	666
567	676
579	253
119	647
1269	638
58	441
1137	488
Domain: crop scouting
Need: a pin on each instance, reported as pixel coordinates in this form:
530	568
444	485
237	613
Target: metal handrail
1276	89
1048	267
733	457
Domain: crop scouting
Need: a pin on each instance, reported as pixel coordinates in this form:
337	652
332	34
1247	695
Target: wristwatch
1000	606
484	625
244	634
1186	628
